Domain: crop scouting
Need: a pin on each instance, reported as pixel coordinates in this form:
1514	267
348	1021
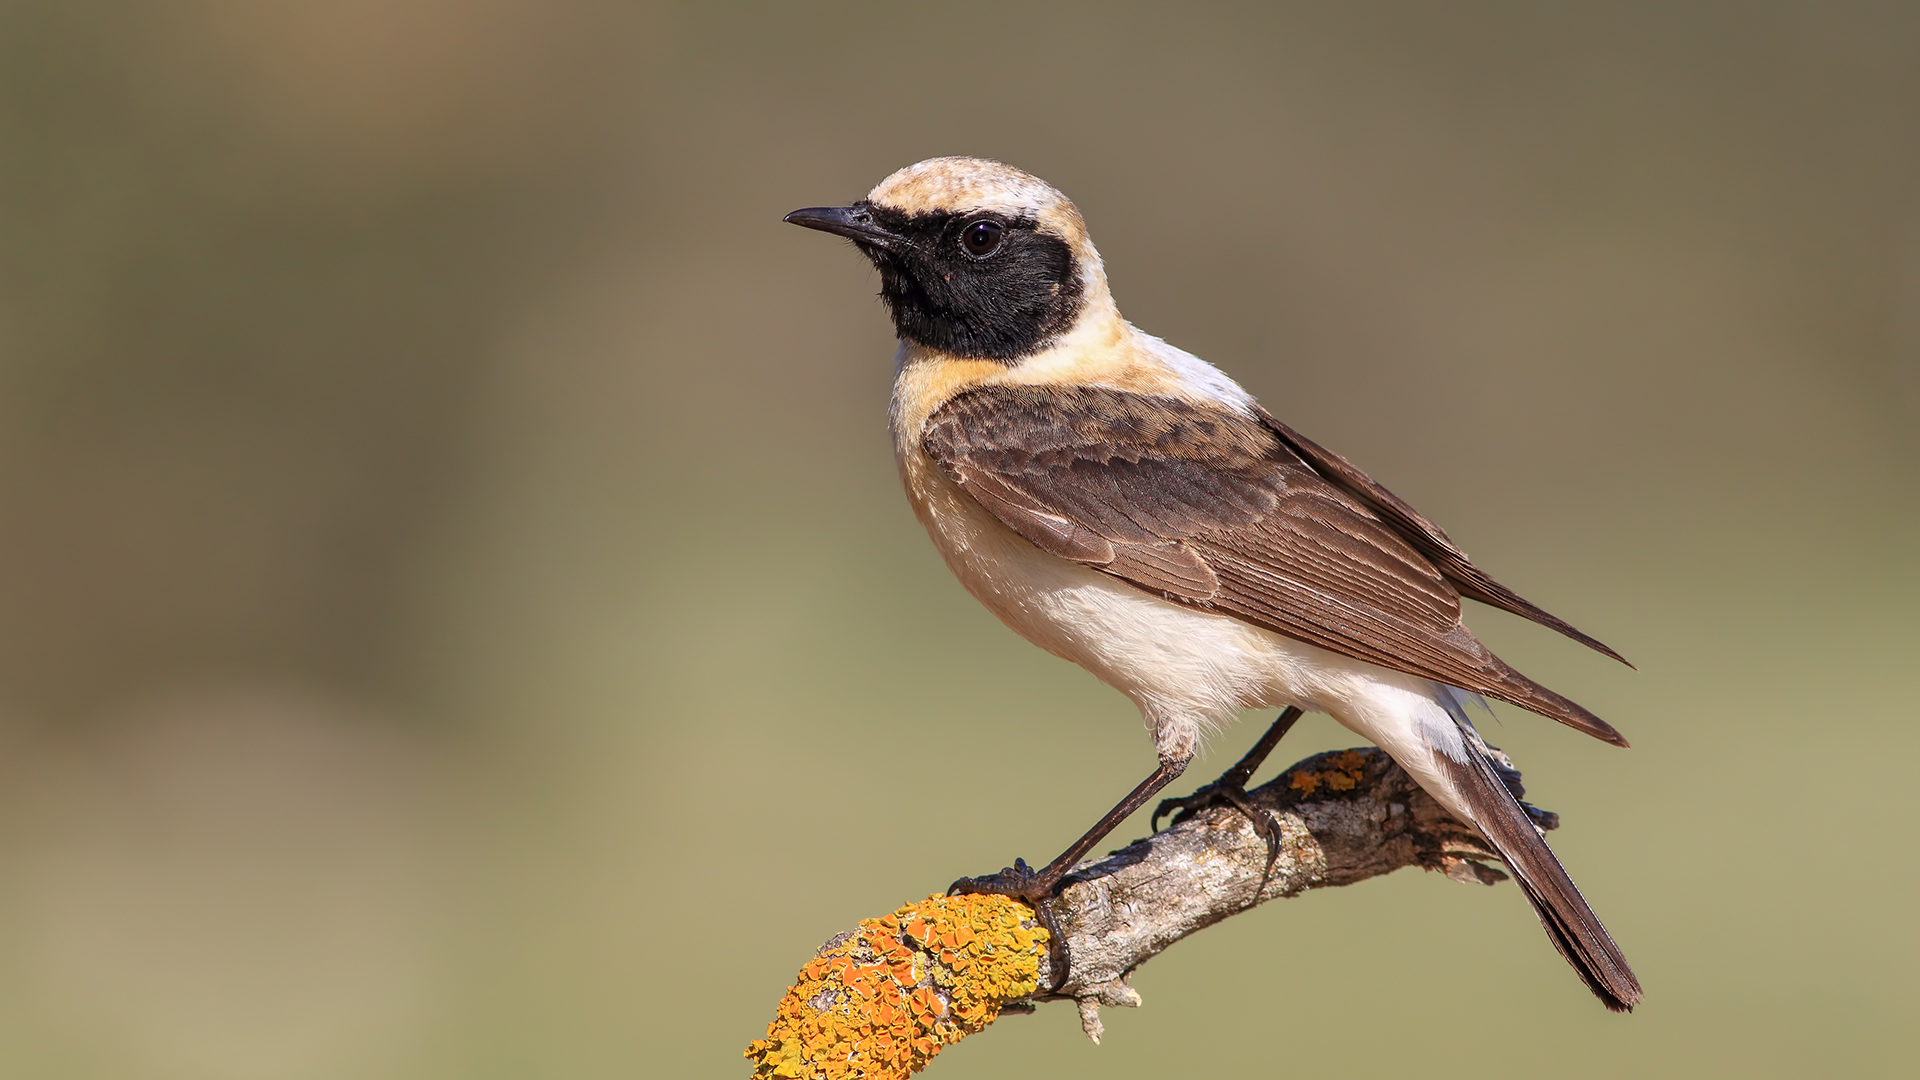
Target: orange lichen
1343	772
879	1003
1351	761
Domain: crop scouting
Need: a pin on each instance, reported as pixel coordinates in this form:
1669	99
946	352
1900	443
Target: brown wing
1426	536
1216	510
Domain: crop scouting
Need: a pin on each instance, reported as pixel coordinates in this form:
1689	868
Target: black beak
852	222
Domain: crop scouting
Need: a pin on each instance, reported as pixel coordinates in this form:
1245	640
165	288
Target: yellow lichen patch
879	1003
1342	772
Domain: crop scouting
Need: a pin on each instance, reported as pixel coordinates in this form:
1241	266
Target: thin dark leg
1167	773
1232	787
1039	889
1244	769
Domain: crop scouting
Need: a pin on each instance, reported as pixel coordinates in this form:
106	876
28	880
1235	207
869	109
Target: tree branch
882	1000
1342	817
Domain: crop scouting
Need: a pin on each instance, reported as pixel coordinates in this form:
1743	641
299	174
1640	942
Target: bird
1125	505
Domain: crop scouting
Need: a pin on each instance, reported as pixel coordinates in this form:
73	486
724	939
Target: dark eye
981	237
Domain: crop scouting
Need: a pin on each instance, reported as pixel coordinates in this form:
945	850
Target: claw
1204	796
1038	889
1222	793
1231	789
1020	882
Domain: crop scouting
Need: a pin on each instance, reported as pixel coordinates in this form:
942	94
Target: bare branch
1342	817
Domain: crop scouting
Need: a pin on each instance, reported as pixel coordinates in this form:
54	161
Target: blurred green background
458	618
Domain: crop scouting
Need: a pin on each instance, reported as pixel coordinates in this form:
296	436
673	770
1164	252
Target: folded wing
1225	512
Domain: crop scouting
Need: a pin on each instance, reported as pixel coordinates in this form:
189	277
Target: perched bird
1125	505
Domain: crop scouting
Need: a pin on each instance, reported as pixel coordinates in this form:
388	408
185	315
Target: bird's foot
1021	882
1226	791
1039	889
1231	790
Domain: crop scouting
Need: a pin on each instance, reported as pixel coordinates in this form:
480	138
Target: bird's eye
980	238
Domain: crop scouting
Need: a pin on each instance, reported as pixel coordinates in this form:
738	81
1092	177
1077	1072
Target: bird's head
977	259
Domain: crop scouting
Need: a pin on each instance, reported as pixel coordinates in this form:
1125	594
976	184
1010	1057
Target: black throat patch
1003	306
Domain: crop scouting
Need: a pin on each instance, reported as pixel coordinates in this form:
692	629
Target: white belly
1189	671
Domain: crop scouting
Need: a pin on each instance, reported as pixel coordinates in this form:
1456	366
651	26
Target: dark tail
1576	931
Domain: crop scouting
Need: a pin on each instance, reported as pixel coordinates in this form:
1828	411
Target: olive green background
458	618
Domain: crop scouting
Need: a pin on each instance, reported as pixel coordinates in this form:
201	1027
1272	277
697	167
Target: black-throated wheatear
1127	506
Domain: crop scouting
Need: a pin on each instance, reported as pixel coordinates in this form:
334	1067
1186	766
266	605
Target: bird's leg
1039	888
1231	788
1232	784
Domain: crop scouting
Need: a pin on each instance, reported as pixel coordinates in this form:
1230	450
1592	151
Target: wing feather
1428	537
1236	514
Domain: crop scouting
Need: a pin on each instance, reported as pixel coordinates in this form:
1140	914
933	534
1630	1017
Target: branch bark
1342	817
